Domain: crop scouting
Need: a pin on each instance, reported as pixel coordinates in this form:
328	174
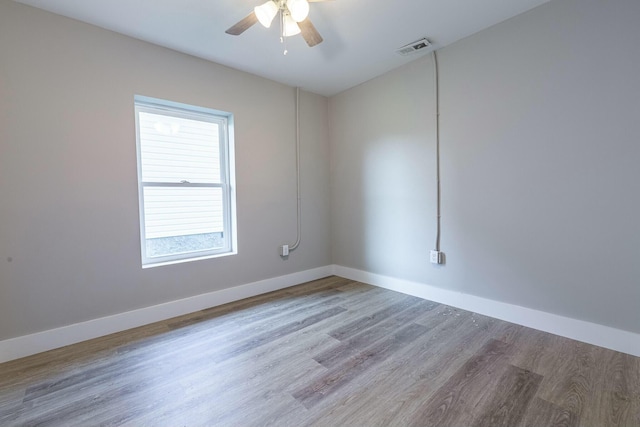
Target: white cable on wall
284	250
438	203
298	206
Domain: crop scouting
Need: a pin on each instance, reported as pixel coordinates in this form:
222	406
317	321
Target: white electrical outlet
284	250
436	257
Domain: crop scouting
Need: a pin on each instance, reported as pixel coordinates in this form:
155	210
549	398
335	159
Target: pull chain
283	39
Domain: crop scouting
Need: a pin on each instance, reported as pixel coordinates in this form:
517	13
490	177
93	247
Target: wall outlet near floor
284	250
436	257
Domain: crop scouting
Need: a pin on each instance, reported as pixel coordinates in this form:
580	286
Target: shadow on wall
396	211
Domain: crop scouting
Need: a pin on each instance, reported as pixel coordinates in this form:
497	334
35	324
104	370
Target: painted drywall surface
383	173
69	228
540	147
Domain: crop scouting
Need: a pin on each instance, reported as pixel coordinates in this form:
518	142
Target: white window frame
227	177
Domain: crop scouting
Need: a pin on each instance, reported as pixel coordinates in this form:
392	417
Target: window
185	181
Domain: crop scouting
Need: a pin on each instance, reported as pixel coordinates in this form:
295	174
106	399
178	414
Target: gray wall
540	142
68	184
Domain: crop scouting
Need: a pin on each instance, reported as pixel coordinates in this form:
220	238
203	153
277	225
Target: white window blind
184	181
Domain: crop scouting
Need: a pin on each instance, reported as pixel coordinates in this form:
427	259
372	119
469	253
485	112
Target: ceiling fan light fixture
299	9
292	19
266	12
290	27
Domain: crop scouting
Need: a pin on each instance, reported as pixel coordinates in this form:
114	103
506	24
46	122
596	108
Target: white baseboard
592	333
15	348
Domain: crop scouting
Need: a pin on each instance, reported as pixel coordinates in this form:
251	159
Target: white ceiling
360	36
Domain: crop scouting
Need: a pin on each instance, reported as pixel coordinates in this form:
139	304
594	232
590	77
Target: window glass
184	179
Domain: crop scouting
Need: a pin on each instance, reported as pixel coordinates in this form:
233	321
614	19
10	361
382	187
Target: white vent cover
413	47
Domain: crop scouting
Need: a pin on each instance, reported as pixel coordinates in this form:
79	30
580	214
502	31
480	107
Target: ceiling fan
293	17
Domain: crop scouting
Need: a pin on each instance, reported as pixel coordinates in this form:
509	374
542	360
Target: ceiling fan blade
309	33
243	25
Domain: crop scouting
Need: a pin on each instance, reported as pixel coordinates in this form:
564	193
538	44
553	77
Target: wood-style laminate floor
332	352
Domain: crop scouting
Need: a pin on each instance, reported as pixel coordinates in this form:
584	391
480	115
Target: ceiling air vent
413	47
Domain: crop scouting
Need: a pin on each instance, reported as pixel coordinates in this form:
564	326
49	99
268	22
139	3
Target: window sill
180	261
